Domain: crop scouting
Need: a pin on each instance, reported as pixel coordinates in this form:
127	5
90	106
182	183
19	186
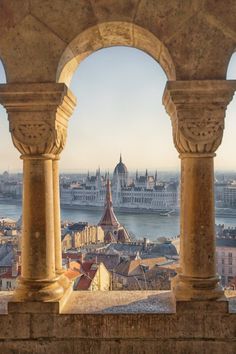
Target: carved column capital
38	115
197	111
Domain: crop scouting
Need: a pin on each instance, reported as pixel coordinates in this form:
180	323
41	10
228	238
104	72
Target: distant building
230	196
11	186
9	277
219	193
81	234
113	230
225	232
142	192
226	259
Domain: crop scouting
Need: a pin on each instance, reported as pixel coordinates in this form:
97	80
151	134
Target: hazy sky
119	92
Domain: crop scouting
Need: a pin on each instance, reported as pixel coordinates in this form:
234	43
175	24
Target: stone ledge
121	323
120	302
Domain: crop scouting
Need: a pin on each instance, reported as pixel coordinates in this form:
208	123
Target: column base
198	289
18	305
55	307
38	290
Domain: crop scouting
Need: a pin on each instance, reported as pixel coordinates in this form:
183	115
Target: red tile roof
82	271
86	280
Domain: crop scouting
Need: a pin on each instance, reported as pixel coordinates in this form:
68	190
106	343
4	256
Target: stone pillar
38	116
57	215
57	224
197	111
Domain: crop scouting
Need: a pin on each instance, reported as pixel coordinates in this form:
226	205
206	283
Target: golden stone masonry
42	42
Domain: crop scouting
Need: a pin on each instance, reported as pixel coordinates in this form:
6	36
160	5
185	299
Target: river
149	225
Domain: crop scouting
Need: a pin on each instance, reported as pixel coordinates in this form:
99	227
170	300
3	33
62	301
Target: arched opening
110	34
9	157
119	93
10	196
225	196
10	166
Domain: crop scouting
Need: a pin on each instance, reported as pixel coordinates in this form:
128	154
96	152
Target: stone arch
110	34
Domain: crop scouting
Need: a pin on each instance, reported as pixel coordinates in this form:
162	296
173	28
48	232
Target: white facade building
143	192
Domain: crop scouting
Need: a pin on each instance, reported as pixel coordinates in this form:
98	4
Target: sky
119	110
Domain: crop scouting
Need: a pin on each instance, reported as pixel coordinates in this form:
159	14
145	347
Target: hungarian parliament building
141	192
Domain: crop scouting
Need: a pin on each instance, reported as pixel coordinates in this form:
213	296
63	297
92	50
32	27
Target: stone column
38	115
197	111
57	224
57	215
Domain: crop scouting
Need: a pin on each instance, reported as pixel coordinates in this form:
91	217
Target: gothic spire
108	218
156	177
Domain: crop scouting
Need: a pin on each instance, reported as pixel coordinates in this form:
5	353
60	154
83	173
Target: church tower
113	230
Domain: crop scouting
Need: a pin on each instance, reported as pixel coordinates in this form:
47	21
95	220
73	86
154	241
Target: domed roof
120	167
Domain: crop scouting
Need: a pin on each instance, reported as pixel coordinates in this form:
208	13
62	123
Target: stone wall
116	327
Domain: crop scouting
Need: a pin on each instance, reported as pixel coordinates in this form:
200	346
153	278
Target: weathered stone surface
11	14
93	346
113	10
199	36
197	111
65	18
30	52
200	51
166	18
120	302
38	116
41	43
197	327
216	9
14	327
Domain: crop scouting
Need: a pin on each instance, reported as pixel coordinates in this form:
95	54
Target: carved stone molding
197	111
38	115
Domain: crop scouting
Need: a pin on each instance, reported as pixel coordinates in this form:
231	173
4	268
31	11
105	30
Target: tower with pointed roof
108	219
113	230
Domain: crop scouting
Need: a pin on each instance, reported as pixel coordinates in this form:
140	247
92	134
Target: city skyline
119	110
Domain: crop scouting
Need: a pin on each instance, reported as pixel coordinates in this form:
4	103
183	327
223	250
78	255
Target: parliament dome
120	168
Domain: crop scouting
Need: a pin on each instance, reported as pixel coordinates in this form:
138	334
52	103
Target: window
230	270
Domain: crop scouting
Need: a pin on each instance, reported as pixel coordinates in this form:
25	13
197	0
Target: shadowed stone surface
121	322
120	302
200	36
